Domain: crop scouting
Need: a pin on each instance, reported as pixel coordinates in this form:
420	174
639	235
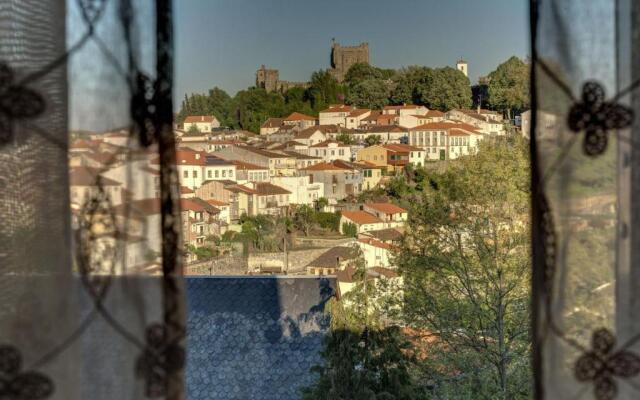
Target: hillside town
323	164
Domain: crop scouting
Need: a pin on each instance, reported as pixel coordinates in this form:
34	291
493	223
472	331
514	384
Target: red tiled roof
400	147
272	123
241	165
359	111
458	132
401	107
434	113
190	157
188	204
198	118
269	189
240	188
373	116
377	243
307	133
217	203
330	166
361	217
185	190
296	116
326	143
446	126
386	208
338	108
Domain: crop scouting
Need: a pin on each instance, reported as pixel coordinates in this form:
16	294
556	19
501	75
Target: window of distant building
195	174
185	174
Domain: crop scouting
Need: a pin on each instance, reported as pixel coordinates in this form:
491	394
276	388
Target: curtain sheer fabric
585	187
91	295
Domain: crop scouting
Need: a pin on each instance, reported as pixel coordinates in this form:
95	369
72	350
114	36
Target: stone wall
298	259
226	265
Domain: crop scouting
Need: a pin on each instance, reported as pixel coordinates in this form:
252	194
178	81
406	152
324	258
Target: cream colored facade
331	150
201	122
335	114
376	155
483	123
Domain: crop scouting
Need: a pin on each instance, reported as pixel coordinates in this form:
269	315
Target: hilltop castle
342	58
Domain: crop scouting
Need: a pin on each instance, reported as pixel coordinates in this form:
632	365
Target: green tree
297	100
363	357
466	265
345	138
370	93
360	72
405	90
349	229
328	220
443	89
193	128
324	89
303	218
372	140
509	86
216	102
253	106
321	203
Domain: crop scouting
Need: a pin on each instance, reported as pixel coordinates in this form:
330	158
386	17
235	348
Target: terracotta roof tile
296	116
361	217
199	118
386	208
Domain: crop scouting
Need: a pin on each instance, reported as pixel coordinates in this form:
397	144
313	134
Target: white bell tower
461	66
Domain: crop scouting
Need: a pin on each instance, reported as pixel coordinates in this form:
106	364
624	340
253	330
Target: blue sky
222	42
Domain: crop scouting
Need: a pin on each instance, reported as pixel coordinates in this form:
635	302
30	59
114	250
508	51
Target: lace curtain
585	152
91	296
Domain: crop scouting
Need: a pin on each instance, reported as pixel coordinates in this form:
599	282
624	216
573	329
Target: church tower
461	66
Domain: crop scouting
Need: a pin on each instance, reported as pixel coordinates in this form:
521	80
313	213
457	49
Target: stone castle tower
343	57
267	78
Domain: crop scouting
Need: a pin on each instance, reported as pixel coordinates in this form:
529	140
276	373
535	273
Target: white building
363	221
445	140
301	188
331	150
335	114
203	123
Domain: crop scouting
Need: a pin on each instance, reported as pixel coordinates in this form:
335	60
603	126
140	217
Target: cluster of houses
297	160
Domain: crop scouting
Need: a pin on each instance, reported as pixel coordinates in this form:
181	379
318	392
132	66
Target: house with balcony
270	199
341	179
446	140
392	215
199	220
362	220
300	120
248	172
331	150
400	155
303	191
